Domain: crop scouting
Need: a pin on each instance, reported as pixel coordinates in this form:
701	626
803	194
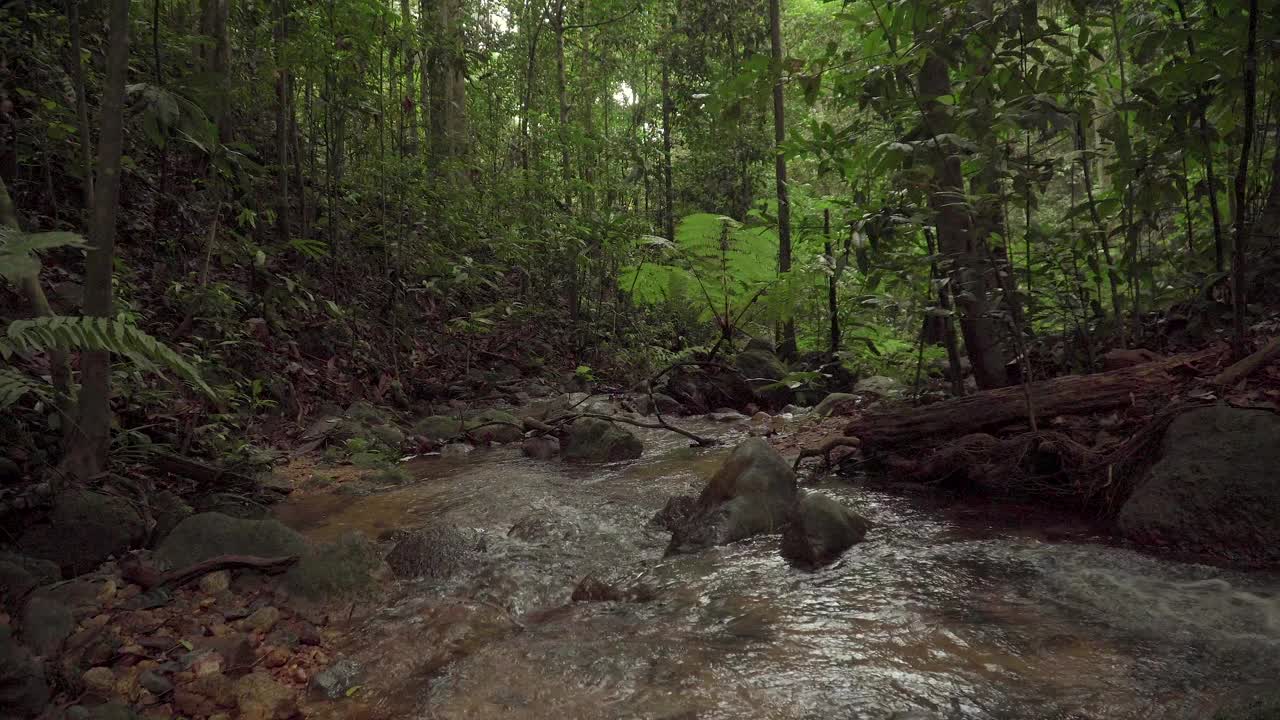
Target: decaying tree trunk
992	409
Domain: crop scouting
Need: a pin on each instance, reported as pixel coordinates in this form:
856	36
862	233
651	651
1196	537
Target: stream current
930	617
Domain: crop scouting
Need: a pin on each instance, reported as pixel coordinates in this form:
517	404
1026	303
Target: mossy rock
84	529
19	574
388	435
594	440
347	569
168	509
438	427
509	432
208	535
395	475
755	364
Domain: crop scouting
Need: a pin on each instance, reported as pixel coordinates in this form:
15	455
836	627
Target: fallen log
1247	366
149	578
992	409
203	473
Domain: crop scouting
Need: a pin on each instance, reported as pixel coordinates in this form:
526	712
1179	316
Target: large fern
117	335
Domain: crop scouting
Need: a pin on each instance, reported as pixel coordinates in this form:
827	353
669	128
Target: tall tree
87	454
787	343
1239	260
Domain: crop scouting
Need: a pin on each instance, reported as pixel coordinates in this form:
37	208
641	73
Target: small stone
262	620
206	663
259	697
336	680
155	683
99	680
107	592
216	582
276	657
309	635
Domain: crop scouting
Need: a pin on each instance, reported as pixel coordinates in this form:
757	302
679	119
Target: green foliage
116	335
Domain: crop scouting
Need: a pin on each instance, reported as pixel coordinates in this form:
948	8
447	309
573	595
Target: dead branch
824	451
149	578
1249	365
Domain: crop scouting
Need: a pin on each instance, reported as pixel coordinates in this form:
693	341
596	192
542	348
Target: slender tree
87	454
787	342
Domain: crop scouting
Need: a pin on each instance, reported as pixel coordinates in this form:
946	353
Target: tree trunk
994	409
283	93
668	191
787	343
447	67
969	262
833	283
87	451
1202	122
1238	259
82	104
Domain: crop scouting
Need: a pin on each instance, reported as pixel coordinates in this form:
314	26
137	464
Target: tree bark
787	343
833	282
993	409
82	104
668	191
1239	261
87	451
969	261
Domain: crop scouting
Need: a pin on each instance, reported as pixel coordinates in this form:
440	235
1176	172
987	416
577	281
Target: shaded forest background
292	202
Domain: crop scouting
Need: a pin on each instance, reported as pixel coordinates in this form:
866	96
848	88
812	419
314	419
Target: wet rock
85	528
699	390
820	529
456	450
167	509
208	535
831	402
344	570
664	403
750	494
334	682
19	574
23	689
678	511
543	447
592	589
594	440
1250	704
763	371
259	697
725	415
46	624
433	552
878	385
1214	487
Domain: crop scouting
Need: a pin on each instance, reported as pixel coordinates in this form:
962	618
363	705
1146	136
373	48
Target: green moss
345	570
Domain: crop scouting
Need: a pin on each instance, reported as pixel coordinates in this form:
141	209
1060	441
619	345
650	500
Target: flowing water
931	615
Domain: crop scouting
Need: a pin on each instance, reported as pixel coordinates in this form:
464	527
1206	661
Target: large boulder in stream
820	528
595	440
1214	489
209	535
752	493
763	371
84	529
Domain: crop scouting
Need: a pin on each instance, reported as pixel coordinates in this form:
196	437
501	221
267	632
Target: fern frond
14	385
17	250
61	332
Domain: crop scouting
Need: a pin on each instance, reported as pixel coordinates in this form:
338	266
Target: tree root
1043	465
149	578
824	451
